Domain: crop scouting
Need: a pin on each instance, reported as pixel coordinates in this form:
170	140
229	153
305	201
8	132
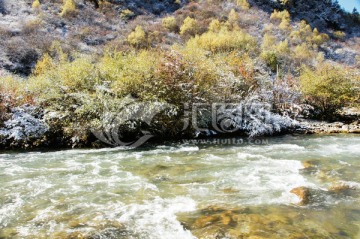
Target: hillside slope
68	69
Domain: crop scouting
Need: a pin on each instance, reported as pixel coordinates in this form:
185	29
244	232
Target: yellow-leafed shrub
45	64
340	35
189	27
328	88
69	7
214	26
280	15
36	4
224	41
170	23
244	4
282	18
138	37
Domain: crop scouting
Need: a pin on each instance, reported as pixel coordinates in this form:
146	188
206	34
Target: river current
181	191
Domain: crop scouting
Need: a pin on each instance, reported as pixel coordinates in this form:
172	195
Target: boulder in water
303	193
341	188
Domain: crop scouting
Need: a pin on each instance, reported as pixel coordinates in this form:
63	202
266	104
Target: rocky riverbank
29	127
322	127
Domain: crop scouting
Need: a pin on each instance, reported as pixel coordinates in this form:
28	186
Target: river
181	191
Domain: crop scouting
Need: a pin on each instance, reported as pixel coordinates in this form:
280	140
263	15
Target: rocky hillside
28	32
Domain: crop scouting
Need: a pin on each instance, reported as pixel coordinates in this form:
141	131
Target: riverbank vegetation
197	55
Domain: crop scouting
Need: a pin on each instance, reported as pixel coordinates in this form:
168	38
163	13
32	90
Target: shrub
271	59
189	27
137	38
214	26
44	64
283	47
36	4
127	14
244	4
11	86
303	52
279	16
269	42
319	38
128	73
306	35
55	78
12	94
32	26
328	88
282	18
233	19
339	35
285	24
170	23
69	8
233	16
224	41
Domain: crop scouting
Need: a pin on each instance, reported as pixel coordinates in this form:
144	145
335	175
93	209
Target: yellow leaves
170	23
269	42
285	25
280	15
244	4
306	35
224	41
189	27
36	4
45	64
137	38
328	87
303	52
282	18
214	26
233	16
9	85
69	8
126	14
233	19
339	35
283	47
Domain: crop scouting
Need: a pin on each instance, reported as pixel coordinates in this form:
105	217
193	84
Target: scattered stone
230	190
341	188
303	193
205	221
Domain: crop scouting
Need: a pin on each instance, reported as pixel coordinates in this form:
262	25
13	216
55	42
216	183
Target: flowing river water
182	191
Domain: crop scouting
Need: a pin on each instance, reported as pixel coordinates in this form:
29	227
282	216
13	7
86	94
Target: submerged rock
303	193
279	222
206	221
341	188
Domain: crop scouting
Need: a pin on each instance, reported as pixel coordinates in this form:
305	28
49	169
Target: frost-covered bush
253	117
25	125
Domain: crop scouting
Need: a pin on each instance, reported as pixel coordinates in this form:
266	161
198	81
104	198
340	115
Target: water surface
185	191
